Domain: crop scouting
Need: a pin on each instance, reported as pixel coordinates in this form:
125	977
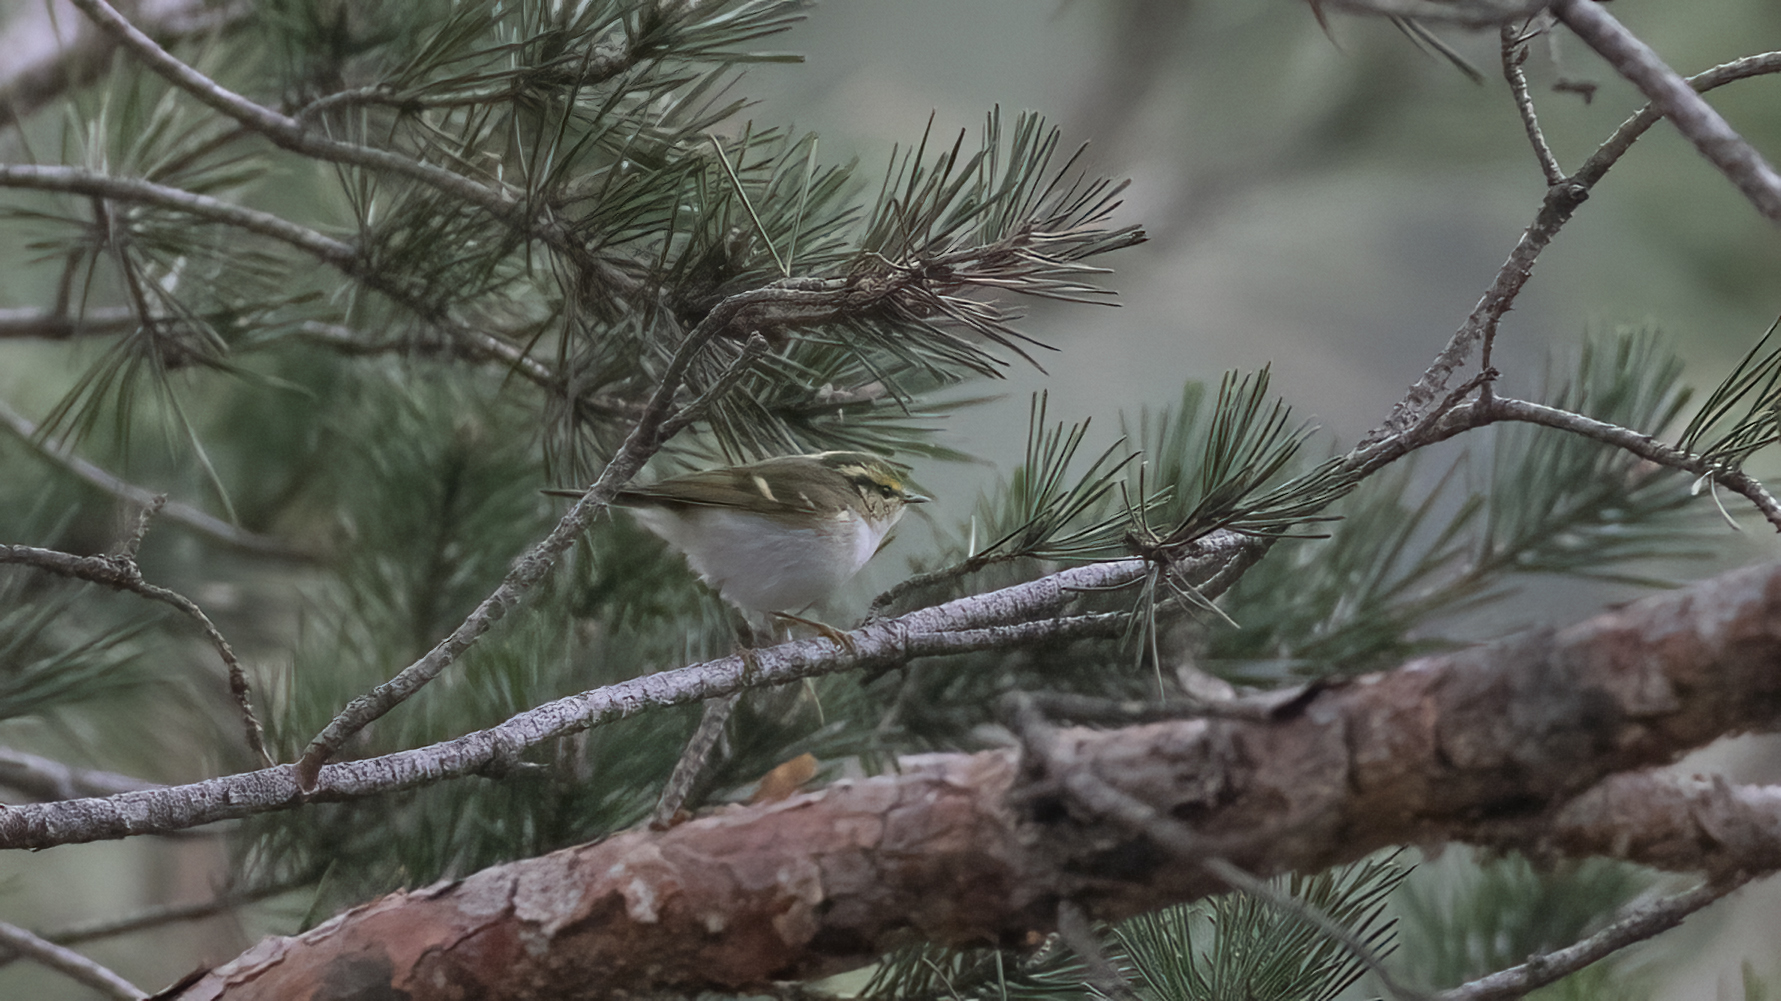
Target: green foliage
1233	946
1221	478
1552	504
1250	948
1498	913
45	661
1754	385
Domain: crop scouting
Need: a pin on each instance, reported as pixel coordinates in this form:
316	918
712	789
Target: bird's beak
915	499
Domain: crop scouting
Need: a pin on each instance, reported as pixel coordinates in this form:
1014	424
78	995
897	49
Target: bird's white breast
765	563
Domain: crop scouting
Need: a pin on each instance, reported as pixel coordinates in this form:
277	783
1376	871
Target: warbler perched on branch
779	535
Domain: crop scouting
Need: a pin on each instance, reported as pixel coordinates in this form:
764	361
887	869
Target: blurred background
1330	206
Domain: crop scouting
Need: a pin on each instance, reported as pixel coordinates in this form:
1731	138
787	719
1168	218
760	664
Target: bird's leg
828	632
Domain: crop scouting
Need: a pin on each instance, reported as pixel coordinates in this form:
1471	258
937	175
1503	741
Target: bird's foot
828	632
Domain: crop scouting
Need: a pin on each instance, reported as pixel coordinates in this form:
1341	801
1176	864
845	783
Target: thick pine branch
981	848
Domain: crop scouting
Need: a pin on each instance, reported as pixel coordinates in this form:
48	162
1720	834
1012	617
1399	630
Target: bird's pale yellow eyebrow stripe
760	483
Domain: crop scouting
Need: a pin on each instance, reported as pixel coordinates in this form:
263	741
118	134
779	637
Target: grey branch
1006	619
1693	117
68	962
1639	444
73	180
1514	54
1468	13
41	324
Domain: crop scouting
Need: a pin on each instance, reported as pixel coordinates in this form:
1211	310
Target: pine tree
351	285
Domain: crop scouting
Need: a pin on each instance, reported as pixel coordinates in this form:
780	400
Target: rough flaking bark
1506	744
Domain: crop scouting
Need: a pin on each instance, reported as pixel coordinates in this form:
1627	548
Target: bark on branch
1507	744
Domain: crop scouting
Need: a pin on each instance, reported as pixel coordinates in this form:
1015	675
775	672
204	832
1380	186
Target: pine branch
1424	754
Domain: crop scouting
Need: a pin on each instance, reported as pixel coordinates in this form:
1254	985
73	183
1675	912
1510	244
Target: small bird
779	535
771	537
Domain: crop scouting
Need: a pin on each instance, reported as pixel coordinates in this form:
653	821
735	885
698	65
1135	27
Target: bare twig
1556	208
1630	130
165	914
944	575
1642	445
752	351
1639	924
120	572
1693	117
68	962
1514	55
1074	927
74	180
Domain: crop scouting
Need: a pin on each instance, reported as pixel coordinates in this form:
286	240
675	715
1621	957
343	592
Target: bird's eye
887	490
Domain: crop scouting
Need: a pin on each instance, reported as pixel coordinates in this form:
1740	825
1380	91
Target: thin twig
1467	13
77	181
1693	117
43	62
1078	933
120	572
1638	925
49	325
692	761
1560	202
68	962
945	575
1630	130
62	454
1641	445
1514	55
165	914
